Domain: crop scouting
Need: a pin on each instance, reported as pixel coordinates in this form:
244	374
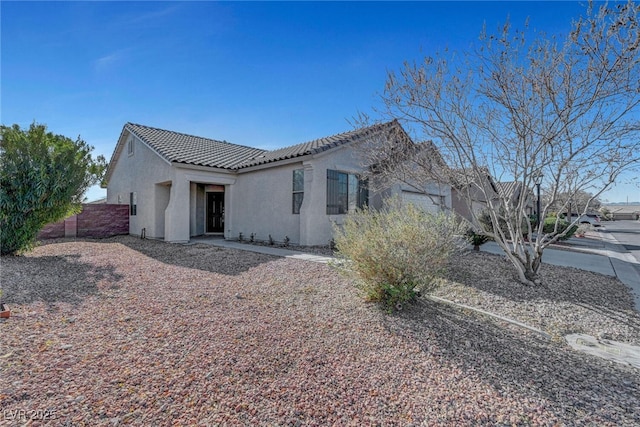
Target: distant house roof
508	189
177	147
97	201
472	177
633	208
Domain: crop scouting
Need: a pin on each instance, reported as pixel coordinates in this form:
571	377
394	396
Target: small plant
332	245
252	237
582	230
286	241
476	239
4	311
271	242
240	237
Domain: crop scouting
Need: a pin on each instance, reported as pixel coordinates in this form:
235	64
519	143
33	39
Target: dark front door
215	212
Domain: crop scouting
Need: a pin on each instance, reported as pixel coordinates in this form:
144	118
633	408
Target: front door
215	212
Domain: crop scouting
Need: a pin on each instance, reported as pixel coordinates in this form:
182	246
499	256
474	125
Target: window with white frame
130	145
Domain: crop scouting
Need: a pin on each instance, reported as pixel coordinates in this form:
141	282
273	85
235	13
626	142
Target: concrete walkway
269	250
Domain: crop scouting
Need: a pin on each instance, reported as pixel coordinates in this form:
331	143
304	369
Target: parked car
592	219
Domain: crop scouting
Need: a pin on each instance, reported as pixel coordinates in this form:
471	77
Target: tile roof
508	189
182	148
318	145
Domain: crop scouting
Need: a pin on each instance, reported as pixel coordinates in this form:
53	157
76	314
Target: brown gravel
130	332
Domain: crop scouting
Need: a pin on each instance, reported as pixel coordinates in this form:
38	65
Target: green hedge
550	223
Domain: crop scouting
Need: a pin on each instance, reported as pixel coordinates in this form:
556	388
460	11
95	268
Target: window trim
130	146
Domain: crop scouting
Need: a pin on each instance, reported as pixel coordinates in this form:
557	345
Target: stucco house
179	186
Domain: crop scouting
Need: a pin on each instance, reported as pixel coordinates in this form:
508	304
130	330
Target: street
627	233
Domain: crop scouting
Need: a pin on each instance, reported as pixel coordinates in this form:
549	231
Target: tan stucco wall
262	204
139	173
316	227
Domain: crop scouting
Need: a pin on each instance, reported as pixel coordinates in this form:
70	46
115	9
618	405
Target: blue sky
264	74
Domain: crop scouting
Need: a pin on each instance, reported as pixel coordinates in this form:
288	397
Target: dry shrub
398	252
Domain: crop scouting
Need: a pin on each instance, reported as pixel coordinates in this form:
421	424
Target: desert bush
398	252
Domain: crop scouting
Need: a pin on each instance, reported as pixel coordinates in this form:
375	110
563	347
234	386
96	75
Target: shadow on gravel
496	275
198	256
581	388
51	279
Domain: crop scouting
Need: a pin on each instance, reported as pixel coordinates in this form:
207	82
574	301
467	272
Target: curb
490	314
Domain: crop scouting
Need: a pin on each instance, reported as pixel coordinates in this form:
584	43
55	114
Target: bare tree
524	106
577	202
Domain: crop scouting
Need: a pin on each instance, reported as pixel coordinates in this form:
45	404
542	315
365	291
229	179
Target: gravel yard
125	331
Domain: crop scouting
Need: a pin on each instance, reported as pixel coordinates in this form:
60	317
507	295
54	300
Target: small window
130	145
298	190
133	204
345	193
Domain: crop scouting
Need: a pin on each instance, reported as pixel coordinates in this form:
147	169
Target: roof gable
509	189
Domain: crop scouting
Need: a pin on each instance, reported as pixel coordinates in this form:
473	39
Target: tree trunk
527	269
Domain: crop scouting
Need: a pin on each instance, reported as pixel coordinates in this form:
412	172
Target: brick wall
52	231
95	220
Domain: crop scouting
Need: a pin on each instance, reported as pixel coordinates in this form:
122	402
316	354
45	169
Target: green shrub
396	253
476	239
550	223
43	178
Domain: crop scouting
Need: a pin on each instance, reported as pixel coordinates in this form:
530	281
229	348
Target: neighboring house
468	193
622	212
515	190
179	186
466	189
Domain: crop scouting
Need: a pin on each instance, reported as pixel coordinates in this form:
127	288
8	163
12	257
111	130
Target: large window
298	189
345	192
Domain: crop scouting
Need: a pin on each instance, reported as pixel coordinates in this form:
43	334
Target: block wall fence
95	220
